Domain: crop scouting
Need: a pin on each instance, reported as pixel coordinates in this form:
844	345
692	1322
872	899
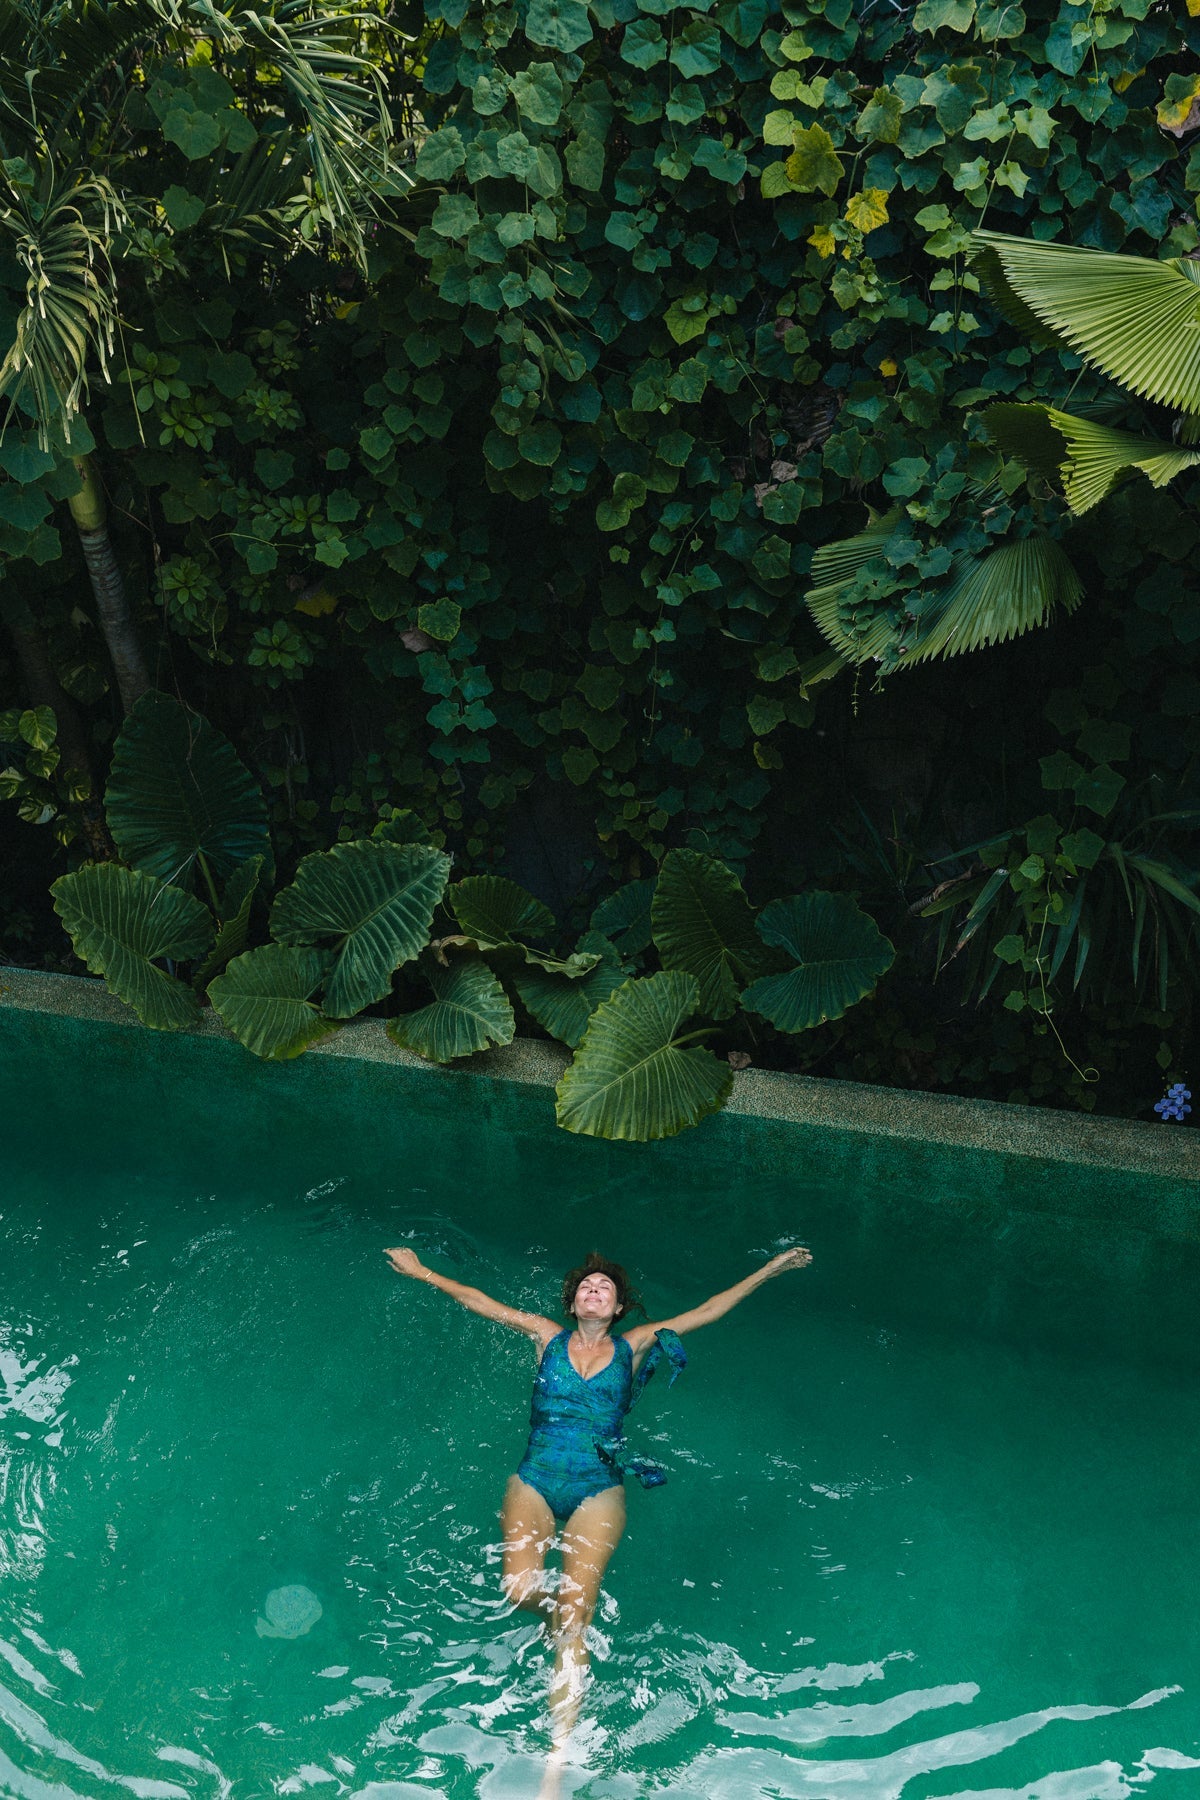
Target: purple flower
1174	1105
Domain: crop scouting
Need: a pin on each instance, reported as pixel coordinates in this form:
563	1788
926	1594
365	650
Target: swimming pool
930	1523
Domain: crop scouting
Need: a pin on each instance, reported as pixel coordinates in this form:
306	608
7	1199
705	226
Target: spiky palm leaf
54	58
1088	458
1136	319
983	600
70	310
333	88
66	72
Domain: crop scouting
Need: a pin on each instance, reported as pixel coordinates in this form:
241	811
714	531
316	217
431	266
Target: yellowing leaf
888	366
1127	77
823	241
814	163
1178	111
317	604
868	210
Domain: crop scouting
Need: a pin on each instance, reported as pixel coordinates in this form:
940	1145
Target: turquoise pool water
929	1529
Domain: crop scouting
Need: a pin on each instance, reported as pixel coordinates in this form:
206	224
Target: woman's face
596	1298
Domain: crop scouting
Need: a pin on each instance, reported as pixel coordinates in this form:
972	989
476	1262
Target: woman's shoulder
637	1337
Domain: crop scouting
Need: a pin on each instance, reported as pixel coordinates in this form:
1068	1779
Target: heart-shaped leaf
624	917
563	1005
493	911
375	900
839	955
470	1011
265	998
120	922
704	925
632	1077
179	790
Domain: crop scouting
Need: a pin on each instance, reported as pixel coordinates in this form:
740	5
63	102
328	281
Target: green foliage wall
682	289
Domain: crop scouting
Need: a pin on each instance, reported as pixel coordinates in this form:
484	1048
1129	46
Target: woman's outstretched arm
407	1262
642	1336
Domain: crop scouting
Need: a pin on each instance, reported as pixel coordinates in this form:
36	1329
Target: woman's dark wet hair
628	1298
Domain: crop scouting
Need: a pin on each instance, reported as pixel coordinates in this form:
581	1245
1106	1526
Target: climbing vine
529	509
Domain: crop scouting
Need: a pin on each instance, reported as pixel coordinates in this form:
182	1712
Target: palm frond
1089	459
1136	319
53	60
984	600
336	94
70	311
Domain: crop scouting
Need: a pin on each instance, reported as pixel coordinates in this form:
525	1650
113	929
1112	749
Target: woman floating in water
572	1472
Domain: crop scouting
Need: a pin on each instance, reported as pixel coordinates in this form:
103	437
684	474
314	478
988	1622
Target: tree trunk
124	646
42	688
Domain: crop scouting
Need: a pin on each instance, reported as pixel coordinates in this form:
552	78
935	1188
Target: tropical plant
179	800
1133	319
125	124
1047	910
869	615
513	533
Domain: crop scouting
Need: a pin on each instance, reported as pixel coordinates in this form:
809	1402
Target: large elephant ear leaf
1132	316
121	922
838	952
470	1012
495	912
236	903
178	790
375	900
624	918
704	925
633	1077
563	1005
265	998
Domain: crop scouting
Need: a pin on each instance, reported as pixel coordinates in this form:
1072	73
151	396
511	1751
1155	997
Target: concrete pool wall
948	1151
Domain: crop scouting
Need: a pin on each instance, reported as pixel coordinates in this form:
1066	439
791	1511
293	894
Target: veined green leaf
704	925
563	1006
839	953
632	1076
624	917
1133	317
265	998
121	923
469	1012
375	900
178	790
494	911
1088	458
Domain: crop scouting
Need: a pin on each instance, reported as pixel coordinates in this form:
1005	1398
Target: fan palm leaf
984	600
1089	459
1136	319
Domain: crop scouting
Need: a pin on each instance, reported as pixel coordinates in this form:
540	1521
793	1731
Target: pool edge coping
1046	1134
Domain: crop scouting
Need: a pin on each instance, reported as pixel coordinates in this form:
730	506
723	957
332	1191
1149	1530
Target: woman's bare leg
528	1526
589	1538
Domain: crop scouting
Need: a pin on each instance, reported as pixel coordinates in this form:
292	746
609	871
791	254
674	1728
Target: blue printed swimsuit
576	1448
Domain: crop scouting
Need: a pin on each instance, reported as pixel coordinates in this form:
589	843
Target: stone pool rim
1168	1152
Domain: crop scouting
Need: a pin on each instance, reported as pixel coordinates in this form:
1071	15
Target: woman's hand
406	1262
798	1257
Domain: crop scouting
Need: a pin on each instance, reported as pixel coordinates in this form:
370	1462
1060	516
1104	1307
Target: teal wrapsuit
576	1447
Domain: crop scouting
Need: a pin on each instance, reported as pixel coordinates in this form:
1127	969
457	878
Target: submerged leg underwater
927	1531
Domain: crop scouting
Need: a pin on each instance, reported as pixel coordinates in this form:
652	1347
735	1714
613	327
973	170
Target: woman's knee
525	1589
